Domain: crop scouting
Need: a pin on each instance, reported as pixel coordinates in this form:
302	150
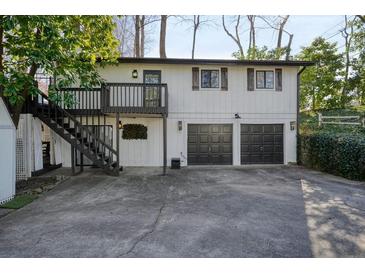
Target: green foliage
65	46
19	201
262	53
134	131
320	84
337	153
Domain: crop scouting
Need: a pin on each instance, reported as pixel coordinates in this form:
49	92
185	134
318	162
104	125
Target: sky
213	42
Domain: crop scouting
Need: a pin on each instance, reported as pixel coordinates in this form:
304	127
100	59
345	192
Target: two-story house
201	111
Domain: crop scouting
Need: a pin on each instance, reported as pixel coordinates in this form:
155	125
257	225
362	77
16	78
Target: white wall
7	155
203	106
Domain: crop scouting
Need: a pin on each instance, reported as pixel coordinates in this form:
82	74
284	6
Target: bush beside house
339	150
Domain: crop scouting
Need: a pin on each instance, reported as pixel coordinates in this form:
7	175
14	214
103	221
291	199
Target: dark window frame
265	85
210	82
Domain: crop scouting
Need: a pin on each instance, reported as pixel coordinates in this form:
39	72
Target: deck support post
117	136
73	160
164	144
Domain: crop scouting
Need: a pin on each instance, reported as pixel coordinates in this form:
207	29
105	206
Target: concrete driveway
193	212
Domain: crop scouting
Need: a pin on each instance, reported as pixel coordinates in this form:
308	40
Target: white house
216	112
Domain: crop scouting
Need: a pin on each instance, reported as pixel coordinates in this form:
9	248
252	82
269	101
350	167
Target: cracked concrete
192	212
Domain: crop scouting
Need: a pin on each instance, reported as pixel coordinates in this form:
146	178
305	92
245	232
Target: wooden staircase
77	134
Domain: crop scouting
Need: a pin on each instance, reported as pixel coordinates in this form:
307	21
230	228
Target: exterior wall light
292	125
120	125
134	74
237	116
179	125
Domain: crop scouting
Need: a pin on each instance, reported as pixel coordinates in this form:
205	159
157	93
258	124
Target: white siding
204	106
7	155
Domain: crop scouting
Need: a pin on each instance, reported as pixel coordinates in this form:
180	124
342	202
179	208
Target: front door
152	93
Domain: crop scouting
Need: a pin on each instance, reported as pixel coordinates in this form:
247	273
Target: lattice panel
21	171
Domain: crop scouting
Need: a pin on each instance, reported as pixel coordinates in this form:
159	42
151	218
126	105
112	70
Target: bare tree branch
236	38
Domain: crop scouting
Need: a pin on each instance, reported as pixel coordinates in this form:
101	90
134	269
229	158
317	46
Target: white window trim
219	78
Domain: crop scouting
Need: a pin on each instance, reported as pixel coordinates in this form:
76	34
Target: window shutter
195	78
224	78
278	79
250	79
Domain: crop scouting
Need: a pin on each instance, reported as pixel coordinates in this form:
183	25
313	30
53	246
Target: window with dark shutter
224	79
250	79
195	78
278	79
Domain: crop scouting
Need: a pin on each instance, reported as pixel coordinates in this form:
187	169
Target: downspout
298	111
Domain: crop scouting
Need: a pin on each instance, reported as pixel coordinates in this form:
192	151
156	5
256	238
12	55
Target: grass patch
19	201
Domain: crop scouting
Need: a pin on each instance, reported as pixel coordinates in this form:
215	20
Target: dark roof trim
224	62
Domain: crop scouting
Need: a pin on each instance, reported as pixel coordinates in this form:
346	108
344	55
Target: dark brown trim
220	62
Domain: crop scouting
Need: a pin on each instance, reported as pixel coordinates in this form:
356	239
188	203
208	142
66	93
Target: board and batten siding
207	106
209	102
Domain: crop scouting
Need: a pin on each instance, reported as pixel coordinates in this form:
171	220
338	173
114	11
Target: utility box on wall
7	155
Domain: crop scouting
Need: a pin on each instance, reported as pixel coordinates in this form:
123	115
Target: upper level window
209	78
264	79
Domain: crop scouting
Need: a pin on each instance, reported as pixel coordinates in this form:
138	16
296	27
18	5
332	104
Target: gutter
298	109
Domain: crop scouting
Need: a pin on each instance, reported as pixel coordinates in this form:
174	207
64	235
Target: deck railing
134	98
116	97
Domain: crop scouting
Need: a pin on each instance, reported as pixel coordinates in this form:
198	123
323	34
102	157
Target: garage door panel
256	139
204	129
203	148
262	144
268	138
214	148
256	129
214	139
215	129
212	144
278	158
278	138
226	138
203	139
192	148
245	129
245	139
227	148
268	129
244	148
227	129
255	148
267	149
192	139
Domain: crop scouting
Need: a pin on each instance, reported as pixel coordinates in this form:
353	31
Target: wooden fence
355	120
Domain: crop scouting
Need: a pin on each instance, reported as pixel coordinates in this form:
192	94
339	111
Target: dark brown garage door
262	144
209	144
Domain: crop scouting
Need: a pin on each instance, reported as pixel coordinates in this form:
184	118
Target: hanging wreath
134	131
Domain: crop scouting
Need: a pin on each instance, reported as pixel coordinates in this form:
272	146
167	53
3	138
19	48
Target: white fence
355	120
7	155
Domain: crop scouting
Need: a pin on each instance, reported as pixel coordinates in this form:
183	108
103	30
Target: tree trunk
288	48
348	38
280	36
142	35
196	26
17	109
136	37
163	36
252	43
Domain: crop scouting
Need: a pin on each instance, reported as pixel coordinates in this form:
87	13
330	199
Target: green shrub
337	153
